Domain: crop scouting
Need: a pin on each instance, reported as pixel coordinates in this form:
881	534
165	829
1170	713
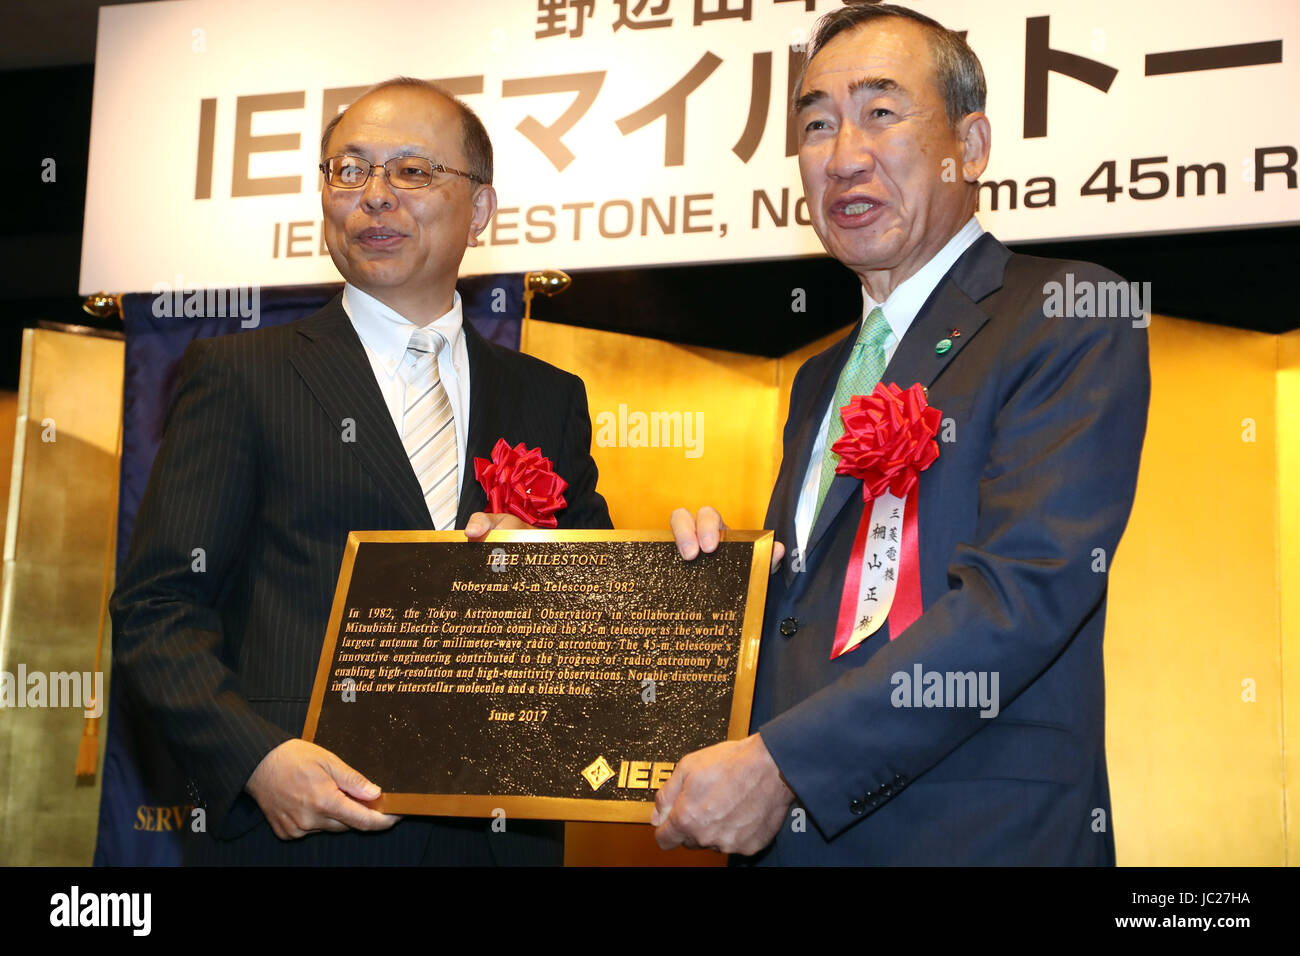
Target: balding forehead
431	97
392	111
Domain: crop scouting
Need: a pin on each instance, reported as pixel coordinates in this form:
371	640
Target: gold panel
1288	523
1195	769
1205	589
58	527
732	398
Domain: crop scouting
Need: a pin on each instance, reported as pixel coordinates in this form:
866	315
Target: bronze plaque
545	674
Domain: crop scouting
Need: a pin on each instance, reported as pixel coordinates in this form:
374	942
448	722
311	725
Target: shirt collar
905	302
387	333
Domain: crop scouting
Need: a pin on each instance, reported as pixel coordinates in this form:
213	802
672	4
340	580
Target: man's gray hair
957	70
474	138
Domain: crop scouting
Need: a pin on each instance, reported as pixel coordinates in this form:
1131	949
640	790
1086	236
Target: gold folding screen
1203	634
61	502
1203	629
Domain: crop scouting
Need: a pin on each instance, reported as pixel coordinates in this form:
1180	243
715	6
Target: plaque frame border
526	807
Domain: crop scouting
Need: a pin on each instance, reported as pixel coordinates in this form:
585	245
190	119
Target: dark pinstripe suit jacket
221	608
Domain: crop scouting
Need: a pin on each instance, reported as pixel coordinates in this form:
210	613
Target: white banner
637	132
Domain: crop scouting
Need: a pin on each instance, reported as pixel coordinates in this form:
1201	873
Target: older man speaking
930	685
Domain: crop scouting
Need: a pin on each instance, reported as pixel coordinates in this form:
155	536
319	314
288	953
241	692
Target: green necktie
861	373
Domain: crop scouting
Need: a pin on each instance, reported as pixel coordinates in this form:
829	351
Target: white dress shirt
386	334
900	311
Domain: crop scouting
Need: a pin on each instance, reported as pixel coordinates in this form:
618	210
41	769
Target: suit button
856	806
789	626
899	779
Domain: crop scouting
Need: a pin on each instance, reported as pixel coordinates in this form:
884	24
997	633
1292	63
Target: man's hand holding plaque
729	797
702	534
303	788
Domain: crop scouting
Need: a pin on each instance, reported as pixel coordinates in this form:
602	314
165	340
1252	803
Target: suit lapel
952	305
334	365
820	395
488	416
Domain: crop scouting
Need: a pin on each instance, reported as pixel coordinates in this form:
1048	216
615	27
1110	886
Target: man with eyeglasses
364	416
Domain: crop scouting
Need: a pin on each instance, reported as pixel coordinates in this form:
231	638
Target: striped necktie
861	373
428	432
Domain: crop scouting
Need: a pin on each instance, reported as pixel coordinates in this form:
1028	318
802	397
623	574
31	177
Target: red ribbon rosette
519	481
888	439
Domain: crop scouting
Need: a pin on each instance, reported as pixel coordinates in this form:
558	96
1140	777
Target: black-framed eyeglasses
403	172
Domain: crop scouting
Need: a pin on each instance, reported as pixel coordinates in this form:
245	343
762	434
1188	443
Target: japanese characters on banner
642	132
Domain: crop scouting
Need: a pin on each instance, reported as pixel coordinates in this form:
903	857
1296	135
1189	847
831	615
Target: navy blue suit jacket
278	444
1017	516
